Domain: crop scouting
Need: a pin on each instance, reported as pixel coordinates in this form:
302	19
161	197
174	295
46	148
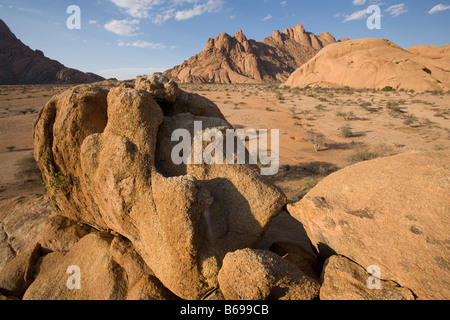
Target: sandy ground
379	123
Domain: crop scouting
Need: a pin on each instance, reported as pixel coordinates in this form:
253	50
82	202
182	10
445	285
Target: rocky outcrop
105	156
260	275
343	279
21	225
17	274
60	234
391	212
376	64
21	65
237	59
95	269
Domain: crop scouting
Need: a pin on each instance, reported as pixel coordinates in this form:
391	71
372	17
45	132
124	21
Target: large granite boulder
260	275
391	212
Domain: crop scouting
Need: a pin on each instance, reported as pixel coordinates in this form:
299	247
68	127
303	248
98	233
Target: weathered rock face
343	279
260	275
21	225
21	65
375	64
105	157
17	274
391	212
108	269
236	59
60	234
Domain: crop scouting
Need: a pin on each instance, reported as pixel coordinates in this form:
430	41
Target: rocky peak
239	36
19	64
326	38
237	59
295	32
276	36
5	32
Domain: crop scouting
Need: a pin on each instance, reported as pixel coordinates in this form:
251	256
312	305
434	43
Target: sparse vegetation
410	120
347	116
320	107
439	147
346	131
310	183
362	152
57	184
280	96
388	88
318	140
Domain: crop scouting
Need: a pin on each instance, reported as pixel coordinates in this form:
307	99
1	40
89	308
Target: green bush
57	184
388	88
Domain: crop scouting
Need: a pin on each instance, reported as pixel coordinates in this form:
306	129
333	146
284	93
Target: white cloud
159	11
440	7
92	21
137	8
358	2
397	9
127	73
199	9
268	17
141	44
283	3
358	15
125	27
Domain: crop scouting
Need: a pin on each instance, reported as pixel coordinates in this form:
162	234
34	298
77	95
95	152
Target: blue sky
124	38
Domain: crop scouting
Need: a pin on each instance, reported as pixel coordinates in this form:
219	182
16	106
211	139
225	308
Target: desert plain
321	130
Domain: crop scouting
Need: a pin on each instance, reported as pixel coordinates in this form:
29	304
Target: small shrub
410	119
440	115
294	111
322	99
347	116
318	140
439	147
280	96
365	105
57	184
362	152
320	107
310	183
388	88
346	132
391	104
11	148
